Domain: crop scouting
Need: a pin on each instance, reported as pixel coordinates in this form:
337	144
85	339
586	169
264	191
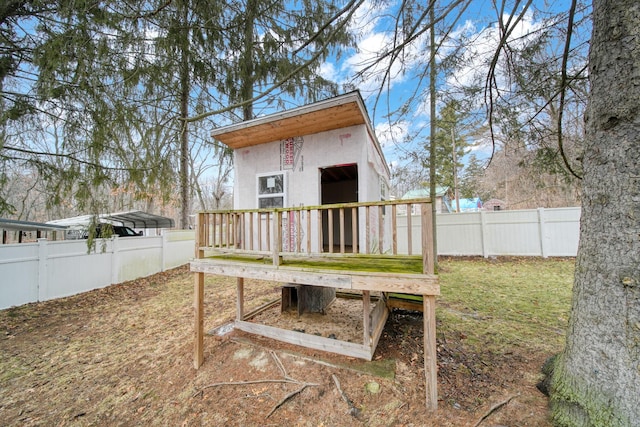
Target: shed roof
424	193
134	219
334	113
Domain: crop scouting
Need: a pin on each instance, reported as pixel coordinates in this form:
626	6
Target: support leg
430	359
366	319
198	305
240	298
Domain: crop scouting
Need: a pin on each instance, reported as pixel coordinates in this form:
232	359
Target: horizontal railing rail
364	228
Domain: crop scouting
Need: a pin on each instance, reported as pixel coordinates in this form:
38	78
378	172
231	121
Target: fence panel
45	270
534	232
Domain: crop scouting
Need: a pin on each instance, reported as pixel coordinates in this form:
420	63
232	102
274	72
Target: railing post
428	257
341	211
409	230
354	229
277	237
394	230
330	228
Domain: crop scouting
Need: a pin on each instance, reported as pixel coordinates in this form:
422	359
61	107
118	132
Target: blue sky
478	22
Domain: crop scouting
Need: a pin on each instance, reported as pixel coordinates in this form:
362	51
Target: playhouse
319	154
312	211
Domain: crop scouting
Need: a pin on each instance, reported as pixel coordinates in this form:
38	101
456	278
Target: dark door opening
339	184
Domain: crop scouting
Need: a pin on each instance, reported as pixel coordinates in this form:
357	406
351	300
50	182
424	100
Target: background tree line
98	98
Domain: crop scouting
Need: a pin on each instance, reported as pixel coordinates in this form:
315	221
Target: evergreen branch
280	82
65	156
563	86
325	26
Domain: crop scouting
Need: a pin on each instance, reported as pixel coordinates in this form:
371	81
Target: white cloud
390	134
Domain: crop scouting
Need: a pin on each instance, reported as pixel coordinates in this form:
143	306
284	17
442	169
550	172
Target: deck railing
328	230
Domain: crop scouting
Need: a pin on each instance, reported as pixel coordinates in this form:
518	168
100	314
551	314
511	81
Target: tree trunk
596	381
185	87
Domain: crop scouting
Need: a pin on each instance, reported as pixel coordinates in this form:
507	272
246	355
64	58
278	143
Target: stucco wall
342	146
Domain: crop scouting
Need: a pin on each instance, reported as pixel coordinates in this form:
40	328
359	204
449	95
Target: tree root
353	411
494	408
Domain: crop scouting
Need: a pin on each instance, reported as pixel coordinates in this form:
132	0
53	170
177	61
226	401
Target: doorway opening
339	184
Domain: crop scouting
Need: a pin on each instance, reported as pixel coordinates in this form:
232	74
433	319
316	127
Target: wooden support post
430	356
366	319
428	257
240	298
198	305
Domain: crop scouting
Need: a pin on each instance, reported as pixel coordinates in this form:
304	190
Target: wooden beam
430	353
379	317
366	317
307	340
240	298
386	282
198	303
401	283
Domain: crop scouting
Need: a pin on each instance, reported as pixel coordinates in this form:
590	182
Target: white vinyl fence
41	271
45	270
535	232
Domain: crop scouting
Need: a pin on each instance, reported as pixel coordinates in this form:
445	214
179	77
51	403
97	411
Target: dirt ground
123	356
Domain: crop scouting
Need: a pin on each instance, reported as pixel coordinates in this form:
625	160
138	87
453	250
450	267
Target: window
271	189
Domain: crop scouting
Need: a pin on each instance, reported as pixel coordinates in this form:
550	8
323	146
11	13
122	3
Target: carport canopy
133	219
16	225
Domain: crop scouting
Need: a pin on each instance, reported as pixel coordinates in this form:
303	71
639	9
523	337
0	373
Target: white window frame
282	194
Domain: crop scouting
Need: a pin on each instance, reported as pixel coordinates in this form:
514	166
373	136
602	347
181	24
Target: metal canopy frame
133	219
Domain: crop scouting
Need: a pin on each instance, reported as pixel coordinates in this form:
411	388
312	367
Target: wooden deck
355	251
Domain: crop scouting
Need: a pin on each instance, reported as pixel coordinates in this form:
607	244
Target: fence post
541	228
483	234
42	270
163	251
115	261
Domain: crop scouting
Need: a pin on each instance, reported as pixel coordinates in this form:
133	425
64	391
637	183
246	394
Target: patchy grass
123	355
500	304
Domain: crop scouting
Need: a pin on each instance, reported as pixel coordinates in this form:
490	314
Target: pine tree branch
282	81
563	86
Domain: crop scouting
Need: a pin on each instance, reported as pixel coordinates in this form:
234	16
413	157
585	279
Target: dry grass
123	355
